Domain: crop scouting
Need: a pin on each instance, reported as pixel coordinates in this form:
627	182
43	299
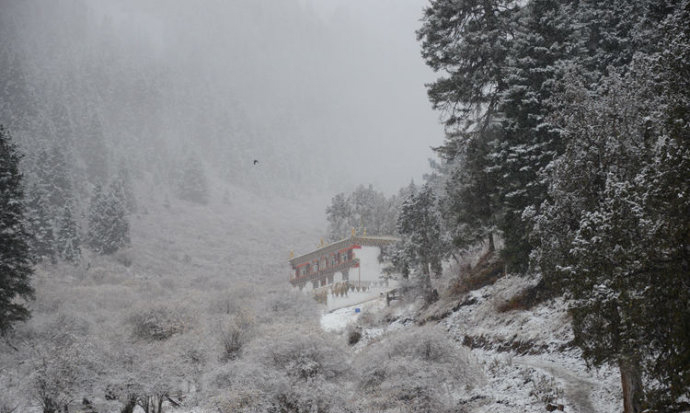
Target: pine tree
60	184
338	215
15	258
528	142
423	247
471	207
39	223
68	240
365	209
123	185
469	42
615	234
108	223
95	151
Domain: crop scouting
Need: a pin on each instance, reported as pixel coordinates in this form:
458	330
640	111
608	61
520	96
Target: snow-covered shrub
303	354
248	387
285	369
159	322
416	370
63	361
231	300
234	333
544	388
288	306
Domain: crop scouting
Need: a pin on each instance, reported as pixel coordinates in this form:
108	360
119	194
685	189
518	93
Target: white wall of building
366	282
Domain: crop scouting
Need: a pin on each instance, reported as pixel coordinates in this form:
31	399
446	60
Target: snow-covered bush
234	332
285	369
159	322
418	370
303	354
289	307
63	362
249	387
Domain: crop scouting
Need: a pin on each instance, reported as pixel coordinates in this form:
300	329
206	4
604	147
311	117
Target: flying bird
255	161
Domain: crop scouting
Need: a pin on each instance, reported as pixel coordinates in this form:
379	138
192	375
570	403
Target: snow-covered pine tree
528	142
614	235
39	223
473	45
423	247
122	185
108	223
363	209
338	215
58	180
68	239
15	258
470	206
469	44
192	184
95	151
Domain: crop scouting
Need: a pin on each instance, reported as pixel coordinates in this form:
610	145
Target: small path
577	389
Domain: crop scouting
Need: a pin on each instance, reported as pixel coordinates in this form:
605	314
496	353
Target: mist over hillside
343	206
319	96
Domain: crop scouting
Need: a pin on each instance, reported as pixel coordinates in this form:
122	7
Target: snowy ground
541	369
336	321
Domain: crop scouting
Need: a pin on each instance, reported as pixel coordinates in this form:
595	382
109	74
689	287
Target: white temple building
346	272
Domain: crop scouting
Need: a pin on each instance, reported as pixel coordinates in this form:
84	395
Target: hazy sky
402	126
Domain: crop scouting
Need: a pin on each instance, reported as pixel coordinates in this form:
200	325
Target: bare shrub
545	388
487	271
234	334
354	334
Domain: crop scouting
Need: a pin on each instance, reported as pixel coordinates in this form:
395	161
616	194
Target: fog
325	94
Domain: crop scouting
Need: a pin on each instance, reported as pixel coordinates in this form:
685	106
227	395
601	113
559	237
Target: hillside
526	356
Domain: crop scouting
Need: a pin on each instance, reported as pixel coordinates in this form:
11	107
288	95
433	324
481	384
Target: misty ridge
342	206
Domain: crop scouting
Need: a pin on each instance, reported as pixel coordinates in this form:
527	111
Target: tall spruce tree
364	209
68	240
338	214
615	235
108	222
15	258
39	223
528	142
470	206
422	247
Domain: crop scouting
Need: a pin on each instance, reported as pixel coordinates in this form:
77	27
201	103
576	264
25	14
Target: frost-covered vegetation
159	161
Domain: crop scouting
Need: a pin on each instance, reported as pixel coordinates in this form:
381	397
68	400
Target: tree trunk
129	407
492	246
160	404
632	386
